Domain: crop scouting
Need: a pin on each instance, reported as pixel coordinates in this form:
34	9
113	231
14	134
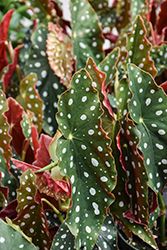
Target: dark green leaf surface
87	35
107	237
138	47
31	218
159	55
13	239
48	84
148	109
85	157
63	239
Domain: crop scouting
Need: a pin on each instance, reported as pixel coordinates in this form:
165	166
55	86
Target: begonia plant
83	125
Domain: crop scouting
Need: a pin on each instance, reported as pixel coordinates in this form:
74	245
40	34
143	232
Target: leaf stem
48	167
162	219
59	215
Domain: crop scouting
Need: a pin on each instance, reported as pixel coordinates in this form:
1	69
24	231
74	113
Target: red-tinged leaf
14	117
133	164
24	166
3	59
31	99
4	127
31	217
59	190
4	25
162	21
43	156
3	193
164	86
34	137
60	53
138	47
9	211
11	67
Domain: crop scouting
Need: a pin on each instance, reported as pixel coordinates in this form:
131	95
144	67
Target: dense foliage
83	127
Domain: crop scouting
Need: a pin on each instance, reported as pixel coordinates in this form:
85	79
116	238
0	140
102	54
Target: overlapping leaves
148	110
85	157
48	84
87	35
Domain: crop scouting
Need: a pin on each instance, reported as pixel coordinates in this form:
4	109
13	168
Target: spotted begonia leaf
59	51
107	17
159	55
138	47
123	97
135	169
43	9
4	26
7	179
107	237
153	217
11	68
48	84
99	4
31	99
85	157
108	65
87	35
4	127
124	14
148	110
138	7
63	238
13	239
31	217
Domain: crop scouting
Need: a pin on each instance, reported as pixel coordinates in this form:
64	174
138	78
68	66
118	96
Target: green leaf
4	127
99	4
7	179
108	65
31	217
13	239
31	99
87	35
48	84
43	9
107	17
138	47
107	237
85	157
148	110
63	238
159	55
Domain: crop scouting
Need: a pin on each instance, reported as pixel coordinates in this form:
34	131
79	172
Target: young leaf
48	84
85	157
148	110
11	238
31	217
87	38
59	51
